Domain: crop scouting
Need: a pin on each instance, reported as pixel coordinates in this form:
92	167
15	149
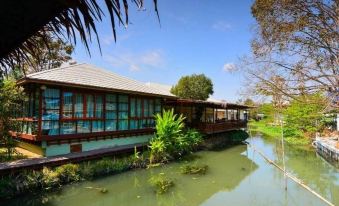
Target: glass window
90	106
50	115
134	124
123	124
50	127
151	108
67	127
133	107
111	114
111	125
97	126
83	127
146	109
98	106
67	105
139	108
157	106
79	106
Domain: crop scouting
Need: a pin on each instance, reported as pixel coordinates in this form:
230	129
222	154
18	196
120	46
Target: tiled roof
91	76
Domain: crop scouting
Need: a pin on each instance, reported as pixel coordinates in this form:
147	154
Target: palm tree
23	22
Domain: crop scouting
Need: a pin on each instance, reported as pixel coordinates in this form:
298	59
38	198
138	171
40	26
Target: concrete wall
53	150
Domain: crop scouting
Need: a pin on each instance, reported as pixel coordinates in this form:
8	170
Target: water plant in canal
171	140
194	169
161	183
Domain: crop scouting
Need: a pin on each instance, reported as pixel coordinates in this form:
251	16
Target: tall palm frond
66	19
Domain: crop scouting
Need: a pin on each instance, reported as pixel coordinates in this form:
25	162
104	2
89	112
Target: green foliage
304	115
195	86
171	140
68	173
194	169
11	98
161	183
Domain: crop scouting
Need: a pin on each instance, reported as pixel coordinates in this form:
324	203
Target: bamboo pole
295	179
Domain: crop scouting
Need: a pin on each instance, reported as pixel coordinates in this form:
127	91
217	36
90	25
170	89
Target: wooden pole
295	179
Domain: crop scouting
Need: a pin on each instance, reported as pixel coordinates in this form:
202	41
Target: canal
236	176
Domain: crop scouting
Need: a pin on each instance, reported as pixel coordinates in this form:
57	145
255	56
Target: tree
11	97
49	52
304	115
195	86
72	20
297	41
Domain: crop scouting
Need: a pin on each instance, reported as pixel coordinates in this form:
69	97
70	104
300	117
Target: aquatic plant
194	169
161	183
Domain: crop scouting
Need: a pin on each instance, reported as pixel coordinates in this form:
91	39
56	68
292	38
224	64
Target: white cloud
229	67
136	61
221	26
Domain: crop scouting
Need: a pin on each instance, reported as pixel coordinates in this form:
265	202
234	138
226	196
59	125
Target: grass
15	156
271	131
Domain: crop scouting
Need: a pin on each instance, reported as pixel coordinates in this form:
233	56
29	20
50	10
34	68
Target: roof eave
27	80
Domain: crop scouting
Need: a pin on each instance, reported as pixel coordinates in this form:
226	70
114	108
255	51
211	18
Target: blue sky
195	36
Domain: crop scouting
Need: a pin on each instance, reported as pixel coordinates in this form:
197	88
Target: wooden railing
212	128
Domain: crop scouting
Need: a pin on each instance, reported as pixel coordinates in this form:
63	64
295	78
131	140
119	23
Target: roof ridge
50	70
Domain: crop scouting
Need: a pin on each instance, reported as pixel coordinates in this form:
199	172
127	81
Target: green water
236	176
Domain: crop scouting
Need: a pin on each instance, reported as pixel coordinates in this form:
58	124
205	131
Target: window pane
97	126
111	98
123	124
67	105
139	108
98	106
51	103
67	127
133	124
123	98
79	106
111	106
157	106
123	106
111	125
51	93
146	114
132	107
50	115
111	114
123	115
50	127
151	108
90	106
83	127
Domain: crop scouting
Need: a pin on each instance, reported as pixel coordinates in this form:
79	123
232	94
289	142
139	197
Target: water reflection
236	176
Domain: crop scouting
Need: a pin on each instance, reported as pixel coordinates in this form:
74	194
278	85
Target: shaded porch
211	117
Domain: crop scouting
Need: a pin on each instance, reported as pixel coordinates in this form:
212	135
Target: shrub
68	173
87	170
170	140
161	183
50	178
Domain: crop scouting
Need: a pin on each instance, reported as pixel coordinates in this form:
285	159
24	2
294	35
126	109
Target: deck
38	163
219	127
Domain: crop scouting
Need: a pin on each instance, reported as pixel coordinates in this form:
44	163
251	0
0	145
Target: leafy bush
171	140
50	178
161	183
194	169
68	173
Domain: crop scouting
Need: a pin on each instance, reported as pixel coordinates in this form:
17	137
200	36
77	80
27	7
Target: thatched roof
23	20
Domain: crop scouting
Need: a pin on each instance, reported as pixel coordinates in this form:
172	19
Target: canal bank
236	176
